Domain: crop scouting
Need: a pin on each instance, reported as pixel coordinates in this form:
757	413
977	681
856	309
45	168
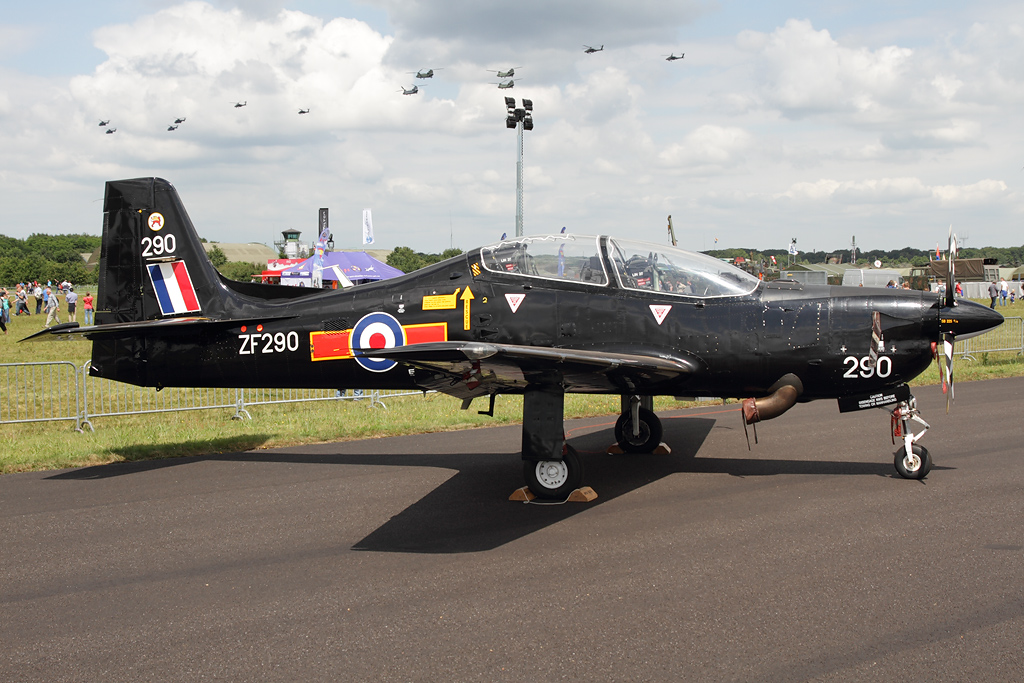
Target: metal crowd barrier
1007	337
40	392
44	392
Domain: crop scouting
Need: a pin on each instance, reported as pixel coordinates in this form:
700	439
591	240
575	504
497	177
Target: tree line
47	257
894	258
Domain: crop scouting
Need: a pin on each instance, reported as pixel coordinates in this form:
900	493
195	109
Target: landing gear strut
551	467
638	429
912	461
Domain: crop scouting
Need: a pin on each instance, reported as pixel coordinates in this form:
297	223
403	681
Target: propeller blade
950	272
948	341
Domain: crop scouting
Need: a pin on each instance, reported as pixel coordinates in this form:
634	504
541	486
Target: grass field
50	445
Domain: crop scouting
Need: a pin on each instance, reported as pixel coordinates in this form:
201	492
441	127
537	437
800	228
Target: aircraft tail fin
152	263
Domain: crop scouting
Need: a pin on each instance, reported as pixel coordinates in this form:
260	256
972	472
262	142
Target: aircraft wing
466	369
142	328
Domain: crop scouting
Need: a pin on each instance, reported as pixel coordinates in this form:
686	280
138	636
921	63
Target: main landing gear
638	429
912	461
552	468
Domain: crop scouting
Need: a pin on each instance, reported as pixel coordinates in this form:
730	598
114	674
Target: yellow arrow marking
466	297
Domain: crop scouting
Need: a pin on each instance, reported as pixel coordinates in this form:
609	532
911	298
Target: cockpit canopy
636	265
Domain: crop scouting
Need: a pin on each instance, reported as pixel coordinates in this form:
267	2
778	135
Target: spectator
70	299
87	308
5	308
52	307
1004	290
37	292
21	301
993	292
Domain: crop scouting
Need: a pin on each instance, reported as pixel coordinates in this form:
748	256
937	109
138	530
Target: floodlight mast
521	119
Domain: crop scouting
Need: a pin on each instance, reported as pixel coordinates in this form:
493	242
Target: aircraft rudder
153	264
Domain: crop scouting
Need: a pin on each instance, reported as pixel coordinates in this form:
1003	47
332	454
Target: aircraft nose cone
968	319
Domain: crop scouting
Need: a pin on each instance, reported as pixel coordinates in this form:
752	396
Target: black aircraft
180	119
538	316
240	104
304	111
111	131
672	57
172	127
103	123
591	50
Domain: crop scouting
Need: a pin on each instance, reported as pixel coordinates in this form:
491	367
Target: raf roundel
376	331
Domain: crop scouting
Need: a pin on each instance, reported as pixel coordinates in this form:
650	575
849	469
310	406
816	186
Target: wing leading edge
470	368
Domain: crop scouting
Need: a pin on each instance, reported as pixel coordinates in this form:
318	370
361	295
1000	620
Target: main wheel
648	438
554	479
916	465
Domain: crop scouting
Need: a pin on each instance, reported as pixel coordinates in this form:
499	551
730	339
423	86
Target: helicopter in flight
505	74
240	104
111	131
304	111
672	57
591	50
180	119
173	126
411	91
429	73
103	123
508	85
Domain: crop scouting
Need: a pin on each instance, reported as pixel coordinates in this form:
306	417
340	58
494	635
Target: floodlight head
528	123
510	102
527	104
510	122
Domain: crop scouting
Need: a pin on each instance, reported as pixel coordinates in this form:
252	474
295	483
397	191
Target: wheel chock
583	495
580	495
663	449
523	495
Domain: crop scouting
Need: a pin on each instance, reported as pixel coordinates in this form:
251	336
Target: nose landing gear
912	461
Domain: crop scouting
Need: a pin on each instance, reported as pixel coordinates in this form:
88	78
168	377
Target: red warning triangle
660	311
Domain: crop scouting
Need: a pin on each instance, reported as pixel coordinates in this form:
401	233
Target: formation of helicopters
509	73
181	119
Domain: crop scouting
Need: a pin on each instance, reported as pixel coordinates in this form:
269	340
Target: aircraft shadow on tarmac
470	512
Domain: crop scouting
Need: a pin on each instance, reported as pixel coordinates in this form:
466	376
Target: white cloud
806	71
894	190
708	149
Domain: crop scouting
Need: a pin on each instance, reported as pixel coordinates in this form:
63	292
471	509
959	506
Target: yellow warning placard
441	302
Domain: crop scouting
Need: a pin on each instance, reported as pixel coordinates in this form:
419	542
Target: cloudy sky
818	121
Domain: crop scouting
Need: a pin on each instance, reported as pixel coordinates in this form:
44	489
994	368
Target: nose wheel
912	461
914	464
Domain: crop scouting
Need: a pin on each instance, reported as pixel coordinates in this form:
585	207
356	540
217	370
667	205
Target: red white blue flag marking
173	288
